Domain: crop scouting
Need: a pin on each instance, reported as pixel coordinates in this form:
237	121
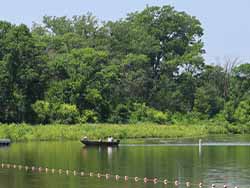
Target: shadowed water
219	160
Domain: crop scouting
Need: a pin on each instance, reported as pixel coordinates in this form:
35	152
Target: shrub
53	112
42	110
121	114
66	114
138	113
229	110
89	116
143	113
189	118
156	116
242	113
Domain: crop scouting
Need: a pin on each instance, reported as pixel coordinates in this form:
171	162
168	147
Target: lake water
220	160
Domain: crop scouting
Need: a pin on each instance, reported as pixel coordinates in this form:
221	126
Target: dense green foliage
147	67
24	132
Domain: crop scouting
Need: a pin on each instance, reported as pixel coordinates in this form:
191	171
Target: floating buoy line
136	179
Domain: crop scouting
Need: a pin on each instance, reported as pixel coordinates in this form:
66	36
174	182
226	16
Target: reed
25	132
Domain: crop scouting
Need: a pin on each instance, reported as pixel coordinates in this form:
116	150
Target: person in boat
85	138
110	139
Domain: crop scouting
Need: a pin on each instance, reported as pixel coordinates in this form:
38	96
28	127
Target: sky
226	22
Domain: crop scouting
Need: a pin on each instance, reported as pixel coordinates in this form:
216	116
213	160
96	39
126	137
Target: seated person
110	139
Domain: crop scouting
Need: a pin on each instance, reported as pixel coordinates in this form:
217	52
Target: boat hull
4	142
100	143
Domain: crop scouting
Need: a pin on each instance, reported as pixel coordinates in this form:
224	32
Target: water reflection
109	151
84	152
220	164
101	150
200	148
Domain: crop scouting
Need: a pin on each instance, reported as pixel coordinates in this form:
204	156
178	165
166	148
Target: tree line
146	67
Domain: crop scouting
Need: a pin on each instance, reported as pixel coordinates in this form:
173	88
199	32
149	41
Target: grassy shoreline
25	132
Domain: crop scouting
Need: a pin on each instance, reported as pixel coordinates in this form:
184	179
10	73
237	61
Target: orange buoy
107	176
155	180
67	172
136	179
165	181
176	183
117	177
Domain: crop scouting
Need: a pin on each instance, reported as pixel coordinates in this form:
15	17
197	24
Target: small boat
5	142
100	143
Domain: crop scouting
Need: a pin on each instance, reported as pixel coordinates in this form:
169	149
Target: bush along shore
56	132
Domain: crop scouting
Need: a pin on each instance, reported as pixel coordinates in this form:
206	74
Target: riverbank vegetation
147	67
24	132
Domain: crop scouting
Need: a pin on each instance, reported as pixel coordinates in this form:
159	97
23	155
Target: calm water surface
220	160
